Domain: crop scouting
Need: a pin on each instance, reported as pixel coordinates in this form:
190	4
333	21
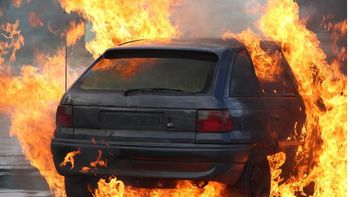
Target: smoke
314	10
208	18
193	18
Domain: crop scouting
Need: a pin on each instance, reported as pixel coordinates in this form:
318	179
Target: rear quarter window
245	81
282	84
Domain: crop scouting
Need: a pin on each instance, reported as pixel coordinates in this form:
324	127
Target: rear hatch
143	95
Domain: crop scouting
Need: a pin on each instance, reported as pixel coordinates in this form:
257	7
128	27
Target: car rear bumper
222	163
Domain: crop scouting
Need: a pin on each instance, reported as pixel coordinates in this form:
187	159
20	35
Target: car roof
214	45
199	44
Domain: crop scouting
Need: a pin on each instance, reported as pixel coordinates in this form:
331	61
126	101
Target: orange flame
75	32
14	38
99	161
322	86
114	22
275	162
323	89
114	187
69	158
85	169
31	99
265	65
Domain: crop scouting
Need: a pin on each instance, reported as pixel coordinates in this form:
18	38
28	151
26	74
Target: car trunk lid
135	124
137	118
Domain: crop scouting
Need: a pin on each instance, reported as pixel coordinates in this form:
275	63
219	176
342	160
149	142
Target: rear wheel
255	180
78	186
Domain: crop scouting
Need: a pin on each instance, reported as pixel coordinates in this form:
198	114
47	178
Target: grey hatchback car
177	110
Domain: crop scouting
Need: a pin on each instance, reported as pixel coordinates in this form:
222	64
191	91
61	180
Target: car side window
282	84
243	79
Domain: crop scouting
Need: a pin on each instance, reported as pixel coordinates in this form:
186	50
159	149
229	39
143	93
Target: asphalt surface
17	177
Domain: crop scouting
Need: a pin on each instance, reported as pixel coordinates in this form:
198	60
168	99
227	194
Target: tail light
214	121
64	116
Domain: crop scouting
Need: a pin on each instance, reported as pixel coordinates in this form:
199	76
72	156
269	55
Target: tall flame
265	65
318	81
117	21
323	89
30	99
75	32
31	96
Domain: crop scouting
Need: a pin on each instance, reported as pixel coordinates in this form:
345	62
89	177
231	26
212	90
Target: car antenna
66	55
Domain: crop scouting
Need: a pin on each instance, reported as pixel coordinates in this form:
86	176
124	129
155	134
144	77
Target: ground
17	177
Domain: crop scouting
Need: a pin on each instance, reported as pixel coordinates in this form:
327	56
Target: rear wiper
150	90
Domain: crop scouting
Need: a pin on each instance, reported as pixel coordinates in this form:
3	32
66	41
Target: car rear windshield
184	72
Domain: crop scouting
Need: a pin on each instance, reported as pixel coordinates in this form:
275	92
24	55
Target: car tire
255	180
78	186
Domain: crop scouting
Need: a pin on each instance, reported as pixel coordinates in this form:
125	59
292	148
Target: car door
267	110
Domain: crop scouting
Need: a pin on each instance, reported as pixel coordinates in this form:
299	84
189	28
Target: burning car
177	110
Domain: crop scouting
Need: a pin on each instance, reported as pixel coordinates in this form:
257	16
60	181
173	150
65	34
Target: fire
323	89
265	64
114	22
75	32
69	158
114	187
30	97
99	161
275	162
14	40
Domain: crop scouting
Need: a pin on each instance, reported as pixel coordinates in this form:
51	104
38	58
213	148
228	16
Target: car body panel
155	159
144	146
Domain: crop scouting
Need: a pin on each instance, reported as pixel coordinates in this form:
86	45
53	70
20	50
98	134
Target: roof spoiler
130	41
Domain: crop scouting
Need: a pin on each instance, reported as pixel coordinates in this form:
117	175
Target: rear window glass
187	72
